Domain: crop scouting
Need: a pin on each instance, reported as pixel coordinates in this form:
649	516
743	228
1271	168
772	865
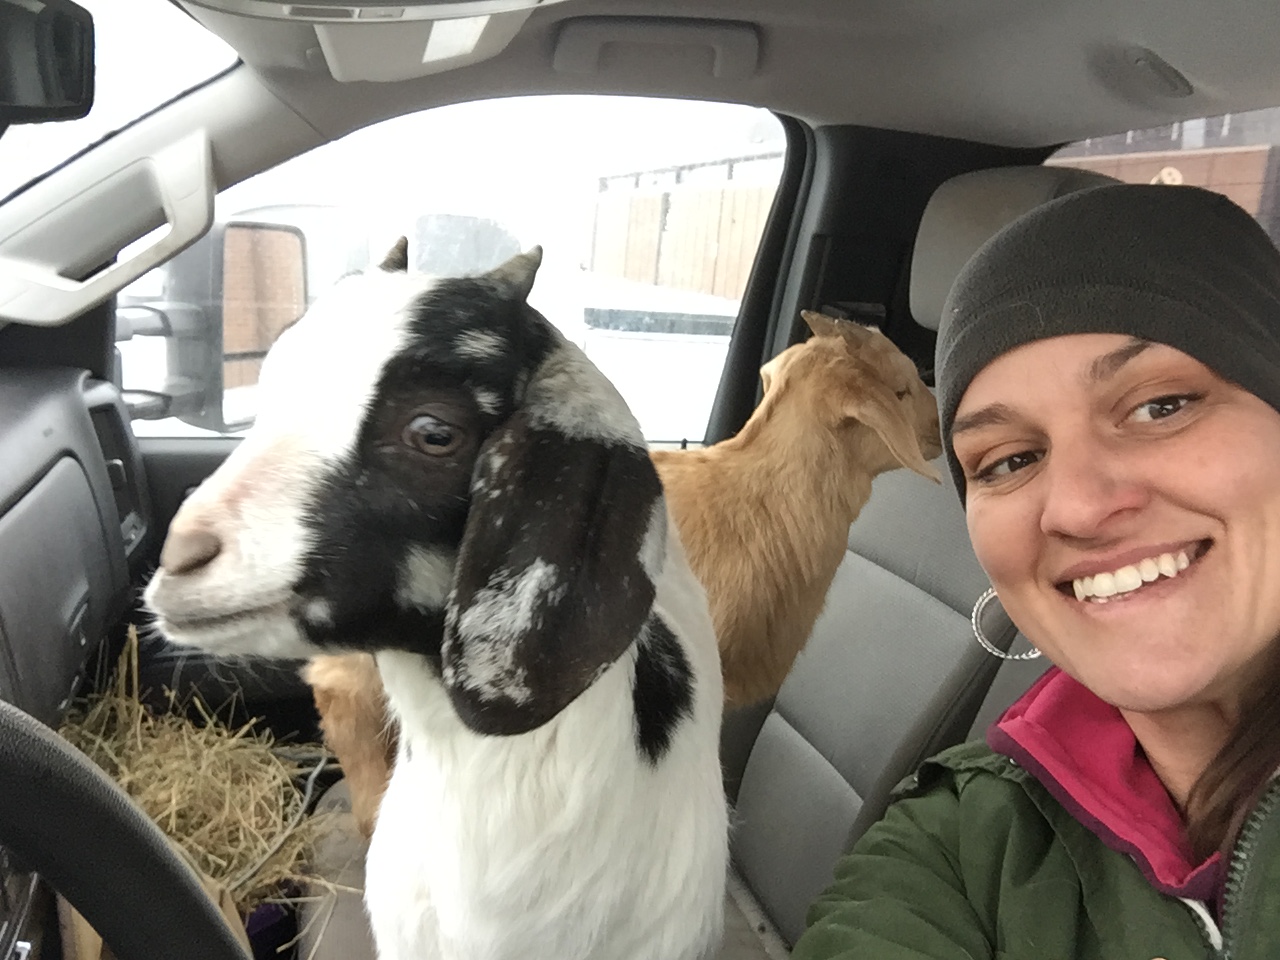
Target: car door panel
64	574
73	517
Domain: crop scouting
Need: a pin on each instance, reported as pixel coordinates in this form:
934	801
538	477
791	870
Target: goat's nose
188	550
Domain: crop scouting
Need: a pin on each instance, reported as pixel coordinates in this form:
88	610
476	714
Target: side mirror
264	290
226	299
46	61
216	308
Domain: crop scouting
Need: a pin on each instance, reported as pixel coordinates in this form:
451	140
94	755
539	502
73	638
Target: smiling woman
1109	385
1126	510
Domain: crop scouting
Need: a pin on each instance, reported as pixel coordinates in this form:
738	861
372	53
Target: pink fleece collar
1086	756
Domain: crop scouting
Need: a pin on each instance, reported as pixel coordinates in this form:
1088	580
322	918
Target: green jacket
976	861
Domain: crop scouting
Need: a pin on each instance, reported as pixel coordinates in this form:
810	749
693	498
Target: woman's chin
1143	688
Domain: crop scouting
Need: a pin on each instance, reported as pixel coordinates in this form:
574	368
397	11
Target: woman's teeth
1101	587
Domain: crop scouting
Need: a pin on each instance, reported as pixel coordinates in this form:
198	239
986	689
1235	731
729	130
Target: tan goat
764	518
356	726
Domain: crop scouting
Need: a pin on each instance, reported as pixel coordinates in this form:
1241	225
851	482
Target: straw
228	796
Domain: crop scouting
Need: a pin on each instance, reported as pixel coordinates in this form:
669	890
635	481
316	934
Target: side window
1236	154
650	213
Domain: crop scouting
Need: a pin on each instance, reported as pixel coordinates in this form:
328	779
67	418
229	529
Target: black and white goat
438	476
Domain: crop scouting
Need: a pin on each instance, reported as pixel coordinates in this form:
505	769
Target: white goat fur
560	842
556	834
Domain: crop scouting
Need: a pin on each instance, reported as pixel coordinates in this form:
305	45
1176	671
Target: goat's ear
875	405
555	573
519	272
824	326
856	333
397	258
821	324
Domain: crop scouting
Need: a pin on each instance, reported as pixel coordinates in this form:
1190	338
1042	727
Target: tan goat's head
855	376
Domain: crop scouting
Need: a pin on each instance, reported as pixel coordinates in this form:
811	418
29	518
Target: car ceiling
1011	73
1008	72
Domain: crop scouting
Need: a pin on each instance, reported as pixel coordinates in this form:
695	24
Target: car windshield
147	52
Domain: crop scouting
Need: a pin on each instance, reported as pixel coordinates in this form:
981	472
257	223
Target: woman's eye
1008	465
431	435
1161	408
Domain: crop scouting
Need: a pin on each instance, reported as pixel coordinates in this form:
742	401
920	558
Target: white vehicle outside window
649	213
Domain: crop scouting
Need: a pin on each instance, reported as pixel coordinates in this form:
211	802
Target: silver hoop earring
975	621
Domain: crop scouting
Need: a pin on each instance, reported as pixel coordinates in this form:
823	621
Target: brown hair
1233	782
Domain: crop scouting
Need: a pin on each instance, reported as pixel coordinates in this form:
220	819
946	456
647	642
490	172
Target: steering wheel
68	821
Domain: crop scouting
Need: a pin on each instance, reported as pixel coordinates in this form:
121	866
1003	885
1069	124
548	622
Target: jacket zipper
1241	861
1210	933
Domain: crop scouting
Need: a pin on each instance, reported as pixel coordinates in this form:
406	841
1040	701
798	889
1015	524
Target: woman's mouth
1124	581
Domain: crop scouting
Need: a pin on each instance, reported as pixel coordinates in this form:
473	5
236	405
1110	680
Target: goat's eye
431	435
902	394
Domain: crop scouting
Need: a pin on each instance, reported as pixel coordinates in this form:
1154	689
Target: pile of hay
227	797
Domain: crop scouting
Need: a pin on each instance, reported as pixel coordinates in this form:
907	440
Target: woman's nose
1087	486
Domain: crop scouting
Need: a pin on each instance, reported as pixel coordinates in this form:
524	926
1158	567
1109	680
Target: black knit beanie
1180	266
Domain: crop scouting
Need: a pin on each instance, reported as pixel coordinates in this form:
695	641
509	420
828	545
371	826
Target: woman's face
1125	502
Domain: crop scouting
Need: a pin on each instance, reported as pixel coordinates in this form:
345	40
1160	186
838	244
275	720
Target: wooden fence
694	237
1246	175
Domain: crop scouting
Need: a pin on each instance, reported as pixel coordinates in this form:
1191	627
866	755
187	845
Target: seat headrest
966	211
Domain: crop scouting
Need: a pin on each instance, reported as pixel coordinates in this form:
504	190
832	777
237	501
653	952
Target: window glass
1236	154
145	52
649	213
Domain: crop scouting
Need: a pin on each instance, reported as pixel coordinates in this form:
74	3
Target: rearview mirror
46	61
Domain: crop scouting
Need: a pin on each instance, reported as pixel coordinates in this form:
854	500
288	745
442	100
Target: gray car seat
889	677
891	673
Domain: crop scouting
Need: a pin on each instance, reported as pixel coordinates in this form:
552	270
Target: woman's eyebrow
993	415
1102	368
1108	365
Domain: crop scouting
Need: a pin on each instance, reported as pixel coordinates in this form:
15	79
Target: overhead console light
454	38
391	40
